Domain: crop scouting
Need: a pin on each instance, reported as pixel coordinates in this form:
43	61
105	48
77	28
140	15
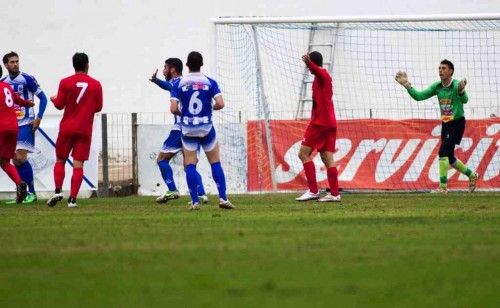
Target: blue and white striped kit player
26	87
172	145
195	93
193	99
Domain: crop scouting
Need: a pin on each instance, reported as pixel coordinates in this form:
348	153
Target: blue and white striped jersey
177	119
26	87
194	93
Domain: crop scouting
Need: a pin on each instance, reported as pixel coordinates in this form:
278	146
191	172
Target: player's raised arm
402	79
461	91
314	62
154	77
165	85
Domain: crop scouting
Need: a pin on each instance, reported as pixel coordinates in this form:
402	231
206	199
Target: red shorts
8	142
76	143
320	138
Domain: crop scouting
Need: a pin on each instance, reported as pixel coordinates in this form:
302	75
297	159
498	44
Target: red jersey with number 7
8	98
81	98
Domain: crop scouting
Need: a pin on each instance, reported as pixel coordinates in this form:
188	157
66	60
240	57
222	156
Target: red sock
11	172
59	175
333	180
310	172
76	181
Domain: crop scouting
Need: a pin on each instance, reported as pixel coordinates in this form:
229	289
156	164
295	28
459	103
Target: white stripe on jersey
194	78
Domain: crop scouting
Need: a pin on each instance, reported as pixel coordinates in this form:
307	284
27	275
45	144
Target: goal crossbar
346	19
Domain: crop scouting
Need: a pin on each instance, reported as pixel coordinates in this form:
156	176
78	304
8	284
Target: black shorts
453	131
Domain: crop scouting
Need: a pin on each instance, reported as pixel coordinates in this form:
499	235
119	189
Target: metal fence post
105	158
135	167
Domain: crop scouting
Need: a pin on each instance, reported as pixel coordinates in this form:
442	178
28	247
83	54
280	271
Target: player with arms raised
81	98
8	135
321	133
192	100
451	96
173	144
26	87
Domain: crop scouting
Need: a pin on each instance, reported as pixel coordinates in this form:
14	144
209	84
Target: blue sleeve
214	88
31	83
174	94
34	88
165	85
43	104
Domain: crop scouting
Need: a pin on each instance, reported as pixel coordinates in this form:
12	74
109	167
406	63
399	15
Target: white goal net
386	140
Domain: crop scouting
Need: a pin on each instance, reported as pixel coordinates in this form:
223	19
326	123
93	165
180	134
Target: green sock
444	165
462	168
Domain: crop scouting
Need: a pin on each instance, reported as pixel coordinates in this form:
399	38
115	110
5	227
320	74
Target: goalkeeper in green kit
451	97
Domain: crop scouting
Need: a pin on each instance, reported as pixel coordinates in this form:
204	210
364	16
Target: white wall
126	40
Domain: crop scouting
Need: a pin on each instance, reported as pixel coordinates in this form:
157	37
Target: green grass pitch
384	250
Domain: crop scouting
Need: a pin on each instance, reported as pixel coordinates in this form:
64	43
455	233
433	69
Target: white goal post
386	140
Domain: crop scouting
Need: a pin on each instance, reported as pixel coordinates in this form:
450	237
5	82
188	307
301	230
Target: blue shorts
208	142
26	138
173	143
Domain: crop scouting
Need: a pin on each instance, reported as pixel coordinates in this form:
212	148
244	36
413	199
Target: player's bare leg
310	170
213	157
163	161
332	174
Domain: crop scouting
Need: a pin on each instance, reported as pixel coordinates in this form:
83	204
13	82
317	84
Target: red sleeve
317	71
18	100
21	102
98	106
60	99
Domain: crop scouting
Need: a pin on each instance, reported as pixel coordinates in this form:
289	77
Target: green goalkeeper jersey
450	103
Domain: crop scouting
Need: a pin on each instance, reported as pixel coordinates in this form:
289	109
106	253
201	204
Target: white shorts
173	143
208	142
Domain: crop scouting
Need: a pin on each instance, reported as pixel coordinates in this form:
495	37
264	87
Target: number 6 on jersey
195	104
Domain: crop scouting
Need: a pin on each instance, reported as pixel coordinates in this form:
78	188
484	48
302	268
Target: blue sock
192	182
220	179
26	173
201	189
167	174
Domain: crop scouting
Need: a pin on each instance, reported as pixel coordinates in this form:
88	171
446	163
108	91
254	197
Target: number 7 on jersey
83	86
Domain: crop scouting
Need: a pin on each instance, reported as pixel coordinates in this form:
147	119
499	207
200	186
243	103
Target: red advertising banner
374	154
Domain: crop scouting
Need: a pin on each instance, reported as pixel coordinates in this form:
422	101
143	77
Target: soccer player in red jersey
321	132
8	135
81	98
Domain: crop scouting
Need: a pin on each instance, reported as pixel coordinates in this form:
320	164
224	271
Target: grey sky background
126	40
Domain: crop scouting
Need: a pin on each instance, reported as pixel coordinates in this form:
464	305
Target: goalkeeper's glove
461	86
402	79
